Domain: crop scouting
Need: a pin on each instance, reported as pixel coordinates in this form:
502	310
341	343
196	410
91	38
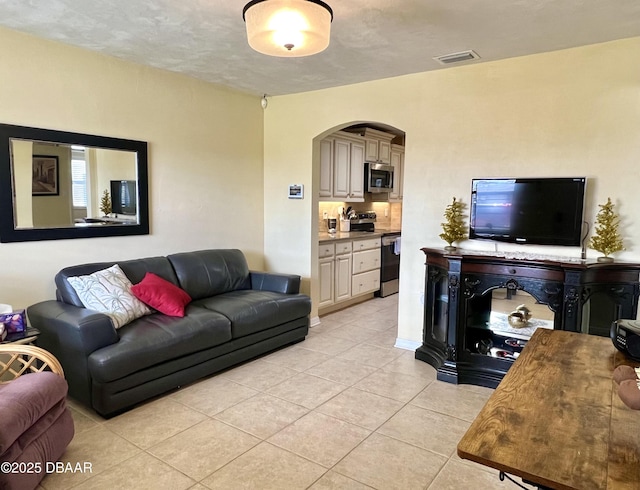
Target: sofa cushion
208	273
161	295
157	338
133	269
251	311
109	291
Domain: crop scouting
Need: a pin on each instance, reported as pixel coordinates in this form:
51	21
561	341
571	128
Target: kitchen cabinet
326	167
366	244
334	261
366	266
377	146
326	269
366	260
326	254
342	277
342	168
347	269
397	162
367	282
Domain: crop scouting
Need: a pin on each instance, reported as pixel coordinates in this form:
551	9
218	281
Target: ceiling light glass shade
288	28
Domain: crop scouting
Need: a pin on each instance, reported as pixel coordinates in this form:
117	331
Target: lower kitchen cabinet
326	276
367	282
347	269
342	277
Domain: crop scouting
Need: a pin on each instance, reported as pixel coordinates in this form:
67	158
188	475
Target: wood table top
556	418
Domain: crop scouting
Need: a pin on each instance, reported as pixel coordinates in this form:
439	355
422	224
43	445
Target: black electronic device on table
625	335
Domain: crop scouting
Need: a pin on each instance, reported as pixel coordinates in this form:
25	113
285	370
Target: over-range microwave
378	177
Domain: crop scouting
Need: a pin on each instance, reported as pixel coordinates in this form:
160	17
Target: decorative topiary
455	226
105	203
606	239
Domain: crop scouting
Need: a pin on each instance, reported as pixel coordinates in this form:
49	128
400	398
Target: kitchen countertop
324	237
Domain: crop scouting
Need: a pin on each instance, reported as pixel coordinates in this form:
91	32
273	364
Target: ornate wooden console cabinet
469	297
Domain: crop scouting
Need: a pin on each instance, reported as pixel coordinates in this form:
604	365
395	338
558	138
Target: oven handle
390	240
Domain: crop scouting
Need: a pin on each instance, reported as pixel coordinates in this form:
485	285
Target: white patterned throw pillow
109	291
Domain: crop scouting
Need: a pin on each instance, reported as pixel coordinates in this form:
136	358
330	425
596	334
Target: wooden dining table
556	420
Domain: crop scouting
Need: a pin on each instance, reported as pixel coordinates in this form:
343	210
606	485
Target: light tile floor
344	409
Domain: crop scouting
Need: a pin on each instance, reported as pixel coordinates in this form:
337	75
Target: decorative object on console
606	240
455	227
288	28
520	317
105	203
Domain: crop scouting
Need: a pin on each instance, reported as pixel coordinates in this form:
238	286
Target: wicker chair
20	359
35	423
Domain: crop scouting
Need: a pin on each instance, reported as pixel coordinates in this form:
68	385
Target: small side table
22	338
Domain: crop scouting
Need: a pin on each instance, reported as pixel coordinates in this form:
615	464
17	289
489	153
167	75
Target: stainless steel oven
390	264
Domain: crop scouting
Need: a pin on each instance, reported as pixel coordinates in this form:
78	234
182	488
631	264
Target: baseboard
411	345
314	322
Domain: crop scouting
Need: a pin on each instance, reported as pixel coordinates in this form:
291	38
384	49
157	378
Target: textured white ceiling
371	39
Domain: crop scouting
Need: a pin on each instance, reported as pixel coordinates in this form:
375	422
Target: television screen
542	211
124	197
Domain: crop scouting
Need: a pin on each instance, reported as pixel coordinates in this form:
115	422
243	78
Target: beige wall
110	165
566	113
205	155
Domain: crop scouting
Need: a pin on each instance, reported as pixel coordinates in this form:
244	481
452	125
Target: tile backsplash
393	218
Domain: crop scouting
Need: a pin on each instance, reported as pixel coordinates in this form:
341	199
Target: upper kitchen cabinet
326	168
342	167
397	162
377	146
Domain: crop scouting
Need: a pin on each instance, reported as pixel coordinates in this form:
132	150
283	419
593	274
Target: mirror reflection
61	185
57	184
518	312
500	322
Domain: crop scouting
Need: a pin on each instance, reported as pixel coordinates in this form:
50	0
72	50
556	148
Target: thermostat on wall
296	191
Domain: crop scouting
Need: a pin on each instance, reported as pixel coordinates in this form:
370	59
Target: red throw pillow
161	295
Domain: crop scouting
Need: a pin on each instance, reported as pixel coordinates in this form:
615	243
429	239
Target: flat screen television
124	197
541	211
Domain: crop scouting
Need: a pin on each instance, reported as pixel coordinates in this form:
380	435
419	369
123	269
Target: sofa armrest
71	334
81	329
279	283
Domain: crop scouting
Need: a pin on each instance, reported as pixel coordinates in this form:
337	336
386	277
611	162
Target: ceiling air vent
448	59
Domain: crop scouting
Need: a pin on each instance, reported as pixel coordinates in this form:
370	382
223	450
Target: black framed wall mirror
59	185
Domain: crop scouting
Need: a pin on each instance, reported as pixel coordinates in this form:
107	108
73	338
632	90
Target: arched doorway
345	202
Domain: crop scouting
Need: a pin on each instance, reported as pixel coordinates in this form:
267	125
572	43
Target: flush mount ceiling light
288	28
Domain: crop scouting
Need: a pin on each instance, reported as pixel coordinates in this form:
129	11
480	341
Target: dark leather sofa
236	314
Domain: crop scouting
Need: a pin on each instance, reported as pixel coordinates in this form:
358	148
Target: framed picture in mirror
45	173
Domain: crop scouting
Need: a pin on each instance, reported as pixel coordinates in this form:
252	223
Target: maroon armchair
35	423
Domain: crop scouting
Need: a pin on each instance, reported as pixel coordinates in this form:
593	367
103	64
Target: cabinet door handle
512	271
